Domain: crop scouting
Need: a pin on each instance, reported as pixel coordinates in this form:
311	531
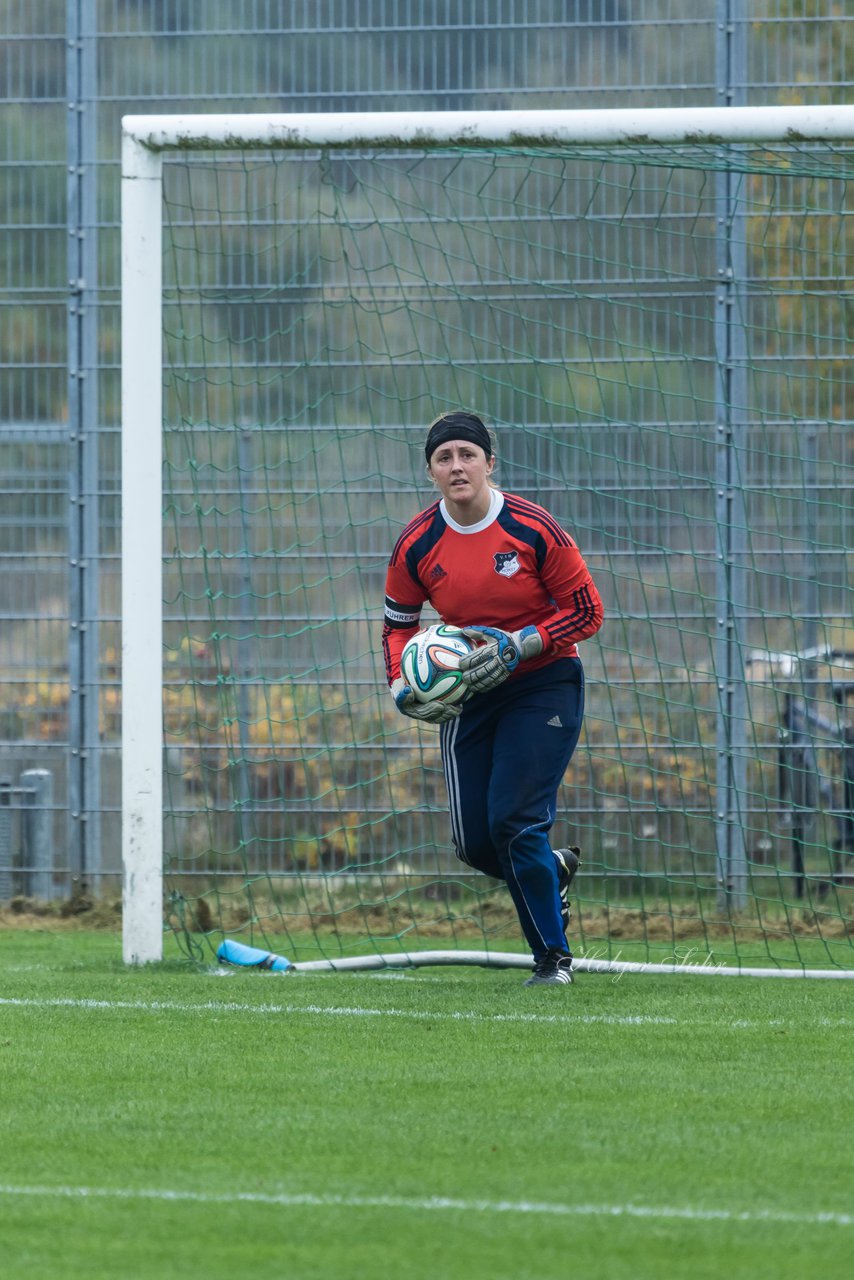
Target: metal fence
69	69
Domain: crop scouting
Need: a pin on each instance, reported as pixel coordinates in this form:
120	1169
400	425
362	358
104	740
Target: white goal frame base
512	960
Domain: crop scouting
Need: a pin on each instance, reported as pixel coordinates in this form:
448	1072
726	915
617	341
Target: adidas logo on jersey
555	722
437	572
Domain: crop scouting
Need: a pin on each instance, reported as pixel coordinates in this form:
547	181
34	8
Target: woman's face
462	470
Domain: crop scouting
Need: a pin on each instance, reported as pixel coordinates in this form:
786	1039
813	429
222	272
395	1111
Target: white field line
425	1015
429	1204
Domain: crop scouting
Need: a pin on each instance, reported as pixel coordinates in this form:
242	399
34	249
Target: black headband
457	426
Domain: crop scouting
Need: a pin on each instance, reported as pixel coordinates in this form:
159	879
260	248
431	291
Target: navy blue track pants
504	759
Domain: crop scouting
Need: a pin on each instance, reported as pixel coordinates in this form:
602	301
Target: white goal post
145	141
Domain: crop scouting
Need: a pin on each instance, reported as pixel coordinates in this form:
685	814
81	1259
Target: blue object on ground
231	952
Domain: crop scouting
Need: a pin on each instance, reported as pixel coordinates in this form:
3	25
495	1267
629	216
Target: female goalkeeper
502	568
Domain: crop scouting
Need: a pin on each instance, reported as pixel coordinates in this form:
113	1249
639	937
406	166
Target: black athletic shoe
554	969
568	862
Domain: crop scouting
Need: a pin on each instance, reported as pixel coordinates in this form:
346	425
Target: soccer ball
430	664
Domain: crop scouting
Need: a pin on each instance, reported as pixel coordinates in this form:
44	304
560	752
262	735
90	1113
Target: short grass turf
172	1120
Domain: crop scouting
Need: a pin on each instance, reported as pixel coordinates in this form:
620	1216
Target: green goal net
660	337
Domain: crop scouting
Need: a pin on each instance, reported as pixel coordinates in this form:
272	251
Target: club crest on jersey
507	563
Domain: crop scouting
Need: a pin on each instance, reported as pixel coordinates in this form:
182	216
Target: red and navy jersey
516	568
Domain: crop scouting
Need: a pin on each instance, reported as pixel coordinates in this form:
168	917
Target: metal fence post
37	812
84	800
5	839
731	417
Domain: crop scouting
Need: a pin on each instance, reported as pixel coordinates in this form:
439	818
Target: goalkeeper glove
499	653
427	712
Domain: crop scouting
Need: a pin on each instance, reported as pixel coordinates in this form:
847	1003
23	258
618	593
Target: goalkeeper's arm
394	640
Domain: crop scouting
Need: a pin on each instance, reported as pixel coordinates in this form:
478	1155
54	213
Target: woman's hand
427	712
497	655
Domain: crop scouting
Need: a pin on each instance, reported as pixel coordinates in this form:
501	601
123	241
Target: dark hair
457	425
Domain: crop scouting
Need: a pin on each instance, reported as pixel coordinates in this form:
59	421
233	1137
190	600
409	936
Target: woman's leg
467	746
535	736
504	759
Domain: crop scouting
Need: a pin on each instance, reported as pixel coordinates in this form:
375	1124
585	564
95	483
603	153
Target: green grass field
178	1121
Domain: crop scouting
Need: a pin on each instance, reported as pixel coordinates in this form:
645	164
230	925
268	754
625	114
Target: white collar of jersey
496	502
